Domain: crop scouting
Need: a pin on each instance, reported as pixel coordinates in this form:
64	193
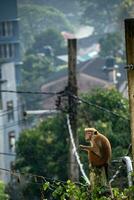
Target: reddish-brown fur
99	153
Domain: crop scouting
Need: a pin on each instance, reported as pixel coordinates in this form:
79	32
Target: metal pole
72	88
129	37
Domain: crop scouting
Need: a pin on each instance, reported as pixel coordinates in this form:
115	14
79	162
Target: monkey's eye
89	133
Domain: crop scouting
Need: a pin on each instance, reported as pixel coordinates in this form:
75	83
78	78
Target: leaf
46	186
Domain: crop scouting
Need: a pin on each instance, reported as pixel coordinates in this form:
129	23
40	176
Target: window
6	29
12	141
7	51
10	113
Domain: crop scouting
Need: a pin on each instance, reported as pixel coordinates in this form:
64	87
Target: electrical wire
35	176
7	154
98	107
30	92
74	96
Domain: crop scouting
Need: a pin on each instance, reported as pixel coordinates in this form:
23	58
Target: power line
76	97
30	92
14	123
16	108
7	154
35	176
98	107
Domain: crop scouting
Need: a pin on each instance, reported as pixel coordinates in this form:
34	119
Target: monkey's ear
95	133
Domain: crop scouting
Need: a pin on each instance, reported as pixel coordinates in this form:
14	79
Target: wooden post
129	37
72	88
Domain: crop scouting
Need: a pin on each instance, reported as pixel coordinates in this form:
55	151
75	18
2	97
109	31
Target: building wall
9	59
8	9
10	109
2	157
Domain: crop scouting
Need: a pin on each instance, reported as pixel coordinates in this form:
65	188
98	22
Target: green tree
38	65
3	194
43	151
125	10
108	111
52	38
36	68
105	16
65	6
36	19
99	14
111	44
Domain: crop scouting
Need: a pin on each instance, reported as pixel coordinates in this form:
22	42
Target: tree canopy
44	149
36	19
50	37
111	44
105	15
100	14
36	68
108	111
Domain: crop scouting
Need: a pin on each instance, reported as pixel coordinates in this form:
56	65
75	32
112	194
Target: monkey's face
88	135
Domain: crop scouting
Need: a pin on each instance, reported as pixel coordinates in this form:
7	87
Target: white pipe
128	162
75	152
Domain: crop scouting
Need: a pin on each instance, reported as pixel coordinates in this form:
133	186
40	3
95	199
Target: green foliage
65	6
36	69
107	111
50	37
99	14
110	44
3	195
44	151
37	66
43	146
36	19
125	11
106	16
68	190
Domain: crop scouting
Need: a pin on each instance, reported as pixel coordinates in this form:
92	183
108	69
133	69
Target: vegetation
107	18
44	149
80	192
3	194
111	44
64	6
36	68
107	110
39	64
104	14
44	18
49	37
41	151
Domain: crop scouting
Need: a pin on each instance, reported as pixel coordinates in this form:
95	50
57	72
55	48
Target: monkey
99	152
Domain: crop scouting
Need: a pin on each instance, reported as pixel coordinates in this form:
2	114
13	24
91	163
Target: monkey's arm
96	149
85	148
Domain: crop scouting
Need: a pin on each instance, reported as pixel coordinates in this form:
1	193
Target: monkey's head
90	133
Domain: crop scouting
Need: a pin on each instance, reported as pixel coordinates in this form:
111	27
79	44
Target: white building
9	66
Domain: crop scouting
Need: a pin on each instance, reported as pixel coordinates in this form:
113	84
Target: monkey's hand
85	148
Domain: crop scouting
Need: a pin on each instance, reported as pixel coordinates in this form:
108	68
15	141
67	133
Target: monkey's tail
106	171
107	177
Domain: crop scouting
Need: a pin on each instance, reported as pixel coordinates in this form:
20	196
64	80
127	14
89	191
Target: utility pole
129	37
72	89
